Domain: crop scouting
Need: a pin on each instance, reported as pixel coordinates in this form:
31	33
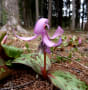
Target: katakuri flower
40	29
46	43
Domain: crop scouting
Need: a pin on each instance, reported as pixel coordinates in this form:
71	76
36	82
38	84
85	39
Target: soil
24	78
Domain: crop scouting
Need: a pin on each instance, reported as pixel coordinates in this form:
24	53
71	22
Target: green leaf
51	49
66	81
2	70
61	59
75	49
12	51
27	47
78	59
2	36
65	43
9	63
63	37
70	55
35	61
74	38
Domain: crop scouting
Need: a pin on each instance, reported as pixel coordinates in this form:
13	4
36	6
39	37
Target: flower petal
80	41
40	26
4	39
25	38
49	43
58	32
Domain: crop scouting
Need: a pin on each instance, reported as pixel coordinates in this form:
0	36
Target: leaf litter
25	75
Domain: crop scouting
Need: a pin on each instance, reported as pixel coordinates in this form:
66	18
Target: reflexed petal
4	39
58	32
80	41
40	26
50	43
25	38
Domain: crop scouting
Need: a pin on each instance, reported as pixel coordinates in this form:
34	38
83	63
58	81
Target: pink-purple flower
40	29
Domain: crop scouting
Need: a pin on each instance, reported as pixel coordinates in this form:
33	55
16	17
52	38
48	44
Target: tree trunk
82	17
42	6
1	22
12	9
77	19
50	12
37	9
24	13
59	6
86	25
73	15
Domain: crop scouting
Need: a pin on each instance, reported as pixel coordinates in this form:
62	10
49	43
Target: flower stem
44	70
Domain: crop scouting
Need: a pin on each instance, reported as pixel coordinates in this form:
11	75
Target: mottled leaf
12	51
2	36
65	43
63	37
66	81
35	61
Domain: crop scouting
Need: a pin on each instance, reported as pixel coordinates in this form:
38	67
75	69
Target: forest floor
24	78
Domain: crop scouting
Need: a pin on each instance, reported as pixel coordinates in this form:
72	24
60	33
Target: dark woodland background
70	14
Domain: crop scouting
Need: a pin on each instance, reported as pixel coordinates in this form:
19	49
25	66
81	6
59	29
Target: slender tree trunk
87	10
42	6
59	6
77	19
82	17
12	9
73	15
86	25
37	9
24	13
50	11
1	20
45	9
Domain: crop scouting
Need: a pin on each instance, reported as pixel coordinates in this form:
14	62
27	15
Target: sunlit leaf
66	81
61	59
2	36
74	38
12	51
65	43
63	37
27	47
35	61
70	55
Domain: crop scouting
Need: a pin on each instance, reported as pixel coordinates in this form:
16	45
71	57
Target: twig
81	65
18	86
76	62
